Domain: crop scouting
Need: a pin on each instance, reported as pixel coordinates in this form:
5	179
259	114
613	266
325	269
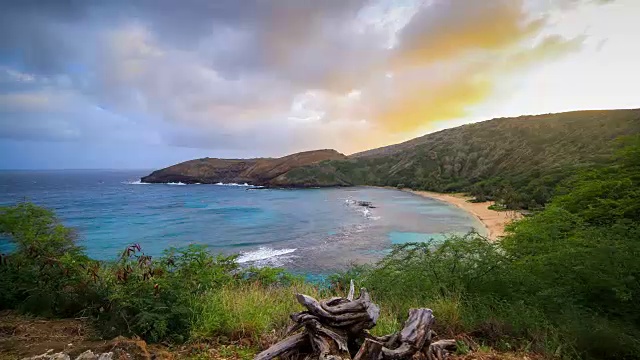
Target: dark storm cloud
303	41
33	35
43	33
233	38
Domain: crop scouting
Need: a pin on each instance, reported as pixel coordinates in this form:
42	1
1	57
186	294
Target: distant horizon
85	169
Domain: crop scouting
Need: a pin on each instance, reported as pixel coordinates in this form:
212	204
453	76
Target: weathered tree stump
337	329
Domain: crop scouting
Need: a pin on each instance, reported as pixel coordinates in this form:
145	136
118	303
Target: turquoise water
399	237
311	231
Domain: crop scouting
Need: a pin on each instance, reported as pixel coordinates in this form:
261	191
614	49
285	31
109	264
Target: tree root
337	329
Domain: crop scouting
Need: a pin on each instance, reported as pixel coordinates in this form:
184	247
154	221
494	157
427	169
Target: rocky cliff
259	171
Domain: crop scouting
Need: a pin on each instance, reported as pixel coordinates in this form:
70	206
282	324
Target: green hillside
518	160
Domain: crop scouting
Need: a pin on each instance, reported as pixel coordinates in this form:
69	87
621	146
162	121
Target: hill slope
260	171
517	159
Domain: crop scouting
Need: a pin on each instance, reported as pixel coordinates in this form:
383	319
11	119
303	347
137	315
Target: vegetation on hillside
518	161
563	282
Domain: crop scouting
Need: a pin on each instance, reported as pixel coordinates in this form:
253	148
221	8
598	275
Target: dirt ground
22	336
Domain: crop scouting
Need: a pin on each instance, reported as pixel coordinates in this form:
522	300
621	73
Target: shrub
157	299
48	274
267	276
563	282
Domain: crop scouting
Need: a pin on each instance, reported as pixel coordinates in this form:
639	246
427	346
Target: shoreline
494	221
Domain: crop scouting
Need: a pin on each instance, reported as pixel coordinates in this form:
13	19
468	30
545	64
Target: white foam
264	255
137	182
232	184
368	214
176	183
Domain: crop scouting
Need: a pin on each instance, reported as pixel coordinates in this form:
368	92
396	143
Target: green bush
47	274
157	299
267	276
460	279
563	282
184	292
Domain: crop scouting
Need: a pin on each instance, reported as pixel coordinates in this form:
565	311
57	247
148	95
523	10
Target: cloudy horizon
144	84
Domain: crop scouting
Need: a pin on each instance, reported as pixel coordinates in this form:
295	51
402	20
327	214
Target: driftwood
337	329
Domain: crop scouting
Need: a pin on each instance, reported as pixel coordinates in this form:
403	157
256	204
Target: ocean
311	231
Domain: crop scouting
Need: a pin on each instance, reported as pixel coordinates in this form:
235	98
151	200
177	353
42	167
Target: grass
204	351
249	310
261	313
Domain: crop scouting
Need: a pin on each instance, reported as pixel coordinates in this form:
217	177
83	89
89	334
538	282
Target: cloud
451	56
551	47
284	75
139	74
426	96
451	28
426	100
39	35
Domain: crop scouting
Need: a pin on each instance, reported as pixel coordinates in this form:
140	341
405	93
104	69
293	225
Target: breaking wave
232	184
137	182
265	256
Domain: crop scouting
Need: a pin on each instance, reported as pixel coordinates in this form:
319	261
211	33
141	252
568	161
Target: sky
142	84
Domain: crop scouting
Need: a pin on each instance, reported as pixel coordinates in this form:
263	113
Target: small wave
176	183
265	256
368	214
232	184
137	182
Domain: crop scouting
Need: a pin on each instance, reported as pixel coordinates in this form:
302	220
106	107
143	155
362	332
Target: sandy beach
494	221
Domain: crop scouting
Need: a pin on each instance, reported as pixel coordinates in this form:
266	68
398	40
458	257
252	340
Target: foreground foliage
562	283
47	273
158	299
